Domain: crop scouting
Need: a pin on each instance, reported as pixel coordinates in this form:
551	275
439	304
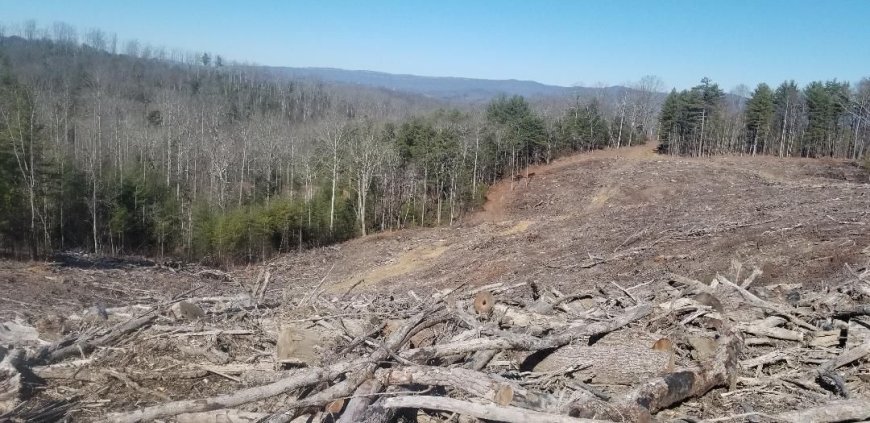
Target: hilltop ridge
447	88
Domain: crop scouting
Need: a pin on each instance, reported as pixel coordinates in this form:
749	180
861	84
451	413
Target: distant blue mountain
442	88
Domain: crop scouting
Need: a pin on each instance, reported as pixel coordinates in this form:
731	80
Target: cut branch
481	411
512	341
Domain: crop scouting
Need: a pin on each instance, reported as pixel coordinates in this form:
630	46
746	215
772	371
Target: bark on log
845	358
361	402
654	395
481	359
512	341
773	332
220	416
481	411
771	357
472	382
835	411
609	364
304	377
858	310
516	317
376	413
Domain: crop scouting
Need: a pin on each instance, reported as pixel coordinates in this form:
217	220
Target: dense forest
825	118
120	149
133	150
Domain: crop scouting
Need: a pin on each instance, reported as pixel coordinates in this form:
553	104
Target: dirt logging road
610	285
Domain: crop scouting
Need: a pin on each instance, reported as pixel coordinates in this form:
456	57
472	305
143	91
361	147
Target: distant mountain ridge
442	88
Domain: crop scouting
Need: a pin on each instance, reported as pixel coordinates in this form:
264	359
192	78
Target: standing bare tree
334	134
366	156
19	120
648	91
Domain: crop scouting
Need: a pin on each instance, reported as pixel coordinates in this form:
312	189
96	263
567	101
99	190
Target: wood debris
515	355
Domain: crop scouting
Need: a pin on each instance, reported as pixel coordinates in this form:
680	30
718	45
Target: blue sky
556	42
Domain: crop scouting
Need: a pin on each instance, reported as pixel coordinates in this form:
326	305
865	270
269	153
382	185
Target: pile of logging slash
674	349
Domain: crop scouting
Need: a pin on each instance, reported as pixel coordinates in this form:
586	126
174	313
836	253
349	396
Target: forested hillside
185	155
124	148
824	118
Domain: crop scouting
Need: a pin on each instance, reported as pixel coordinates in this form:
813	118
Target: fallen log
788	312
546	305
622	364
510	341
360	402
471	382
303	377
481	411
481	359
845	358
10	380
369	364
835	411
773	332
656	394
85	343
220	416
771	357
515	317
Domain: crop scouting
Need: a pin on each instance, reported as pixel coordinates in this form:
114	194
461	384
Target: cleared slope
627	216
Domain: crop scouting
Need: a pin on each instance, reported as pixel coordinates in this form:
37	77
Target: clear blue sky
558	42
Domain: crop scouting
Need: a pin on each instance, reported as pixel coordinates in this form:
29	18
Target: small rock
184	310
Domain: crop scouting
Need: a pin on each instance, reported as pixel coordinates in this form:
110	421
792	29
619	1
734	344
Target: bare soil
640	214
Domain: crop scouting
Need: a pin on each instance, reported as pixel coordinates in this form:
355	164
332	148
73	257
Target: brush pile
670	349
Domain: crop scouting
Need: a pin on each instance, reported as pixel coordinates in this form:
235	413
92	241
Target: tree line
121	150
118	152
822	119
